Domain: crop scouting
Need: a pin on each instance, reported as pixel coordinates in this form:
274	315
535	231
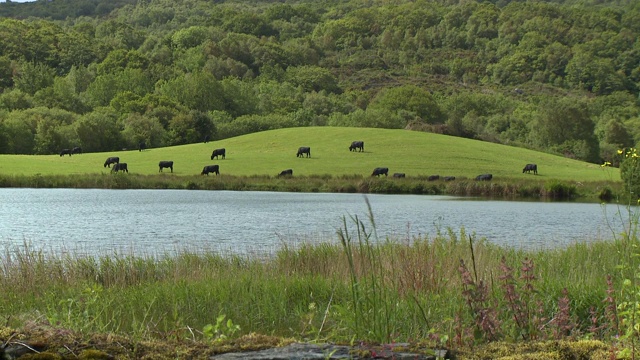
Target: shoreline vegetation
547	190
452	290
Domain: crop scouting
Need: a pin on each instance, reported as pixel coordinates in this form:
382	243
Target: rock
299	351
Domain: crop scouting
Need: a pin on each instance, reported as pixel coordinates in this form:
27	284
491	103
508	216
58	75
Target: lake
157	222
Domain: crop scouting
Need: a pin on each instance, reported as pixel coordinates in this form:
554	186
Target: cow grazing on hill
449	178
207	138
76	150
356	145
120	167
210	169
142	146
65	152
218	152
304	150
398	175
111	160
484	177
287	173
165	164
529	168
433	177
380	171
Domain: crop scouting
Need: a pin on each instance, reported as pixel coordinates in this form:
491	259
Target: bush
560	191
630	171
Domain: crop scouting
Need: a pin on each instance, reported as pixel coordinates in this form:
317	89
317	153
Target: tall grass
359	288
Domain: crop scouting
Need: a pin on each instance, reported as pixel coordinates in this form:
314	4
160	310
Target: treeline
561	78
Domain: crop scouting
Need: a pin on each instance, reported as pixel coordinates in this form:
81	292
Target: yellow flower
620	152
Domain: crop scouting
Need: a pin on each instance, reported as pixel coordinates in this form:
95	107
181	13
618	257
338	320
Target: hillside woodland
556	76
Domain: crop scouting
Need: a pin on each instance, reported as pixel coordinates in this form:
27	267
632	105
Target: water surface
152	222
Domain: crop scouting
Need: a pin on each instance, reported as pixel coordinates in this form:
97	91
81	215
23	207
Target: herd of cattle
302	151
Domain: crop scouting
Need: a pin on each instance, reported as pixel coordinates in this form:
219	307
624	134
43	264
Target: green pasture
269	152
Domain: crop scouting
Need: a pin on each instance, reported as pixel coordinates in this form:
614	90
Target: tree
15	100
33	77
99	131
6	73
190	128
139	128
565	126
198	91
409	101
51	135
19	135
312	78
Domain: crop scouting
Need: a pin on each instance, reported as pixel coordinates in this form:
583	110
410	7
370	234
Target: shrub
630	171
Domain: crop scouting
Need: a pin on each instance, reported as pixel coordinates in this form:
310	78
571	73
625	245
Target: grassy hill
269	152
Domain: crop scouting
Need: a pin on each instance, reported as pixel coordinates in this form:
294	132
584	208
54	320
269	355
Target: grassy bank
535	188
450	290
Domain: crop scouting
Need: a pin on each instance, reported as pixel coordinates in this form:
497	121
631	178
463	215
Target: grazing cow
484	177
111	160
356	145
76	150
65	152
288	172
433	177
142	146
210	169
529	168
165	164
207	138
398	175
380	171
218	152
120	167
449	178
304	150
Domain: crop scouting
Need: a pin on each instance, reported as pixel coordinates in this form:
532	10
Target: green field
269	152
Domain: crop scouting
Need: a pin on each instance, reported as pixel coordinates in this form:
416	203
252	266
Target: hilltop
417	154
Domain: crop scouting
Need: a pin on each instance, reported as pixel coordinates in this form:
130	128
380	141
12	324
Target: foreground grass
359	289
267	153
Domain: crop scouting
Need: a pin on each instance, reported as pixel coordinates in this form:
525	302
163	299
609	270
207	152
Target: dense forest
557	76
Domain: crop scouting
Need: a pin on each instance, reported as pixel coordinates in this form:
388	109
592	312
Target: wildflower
606	163
619	152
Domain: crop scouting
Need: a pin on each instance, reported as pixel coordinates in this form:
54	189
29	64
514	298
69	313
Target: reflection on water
155	222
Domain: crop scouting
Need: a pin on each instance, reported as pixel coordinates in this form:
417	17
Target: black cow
76	150
380	171
120	167
111	160
142	146
210	169
484	177
398	175
207	138
304	150
288	172
449	178
356	145
218	152
165	164
529	168
65	152
433	177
